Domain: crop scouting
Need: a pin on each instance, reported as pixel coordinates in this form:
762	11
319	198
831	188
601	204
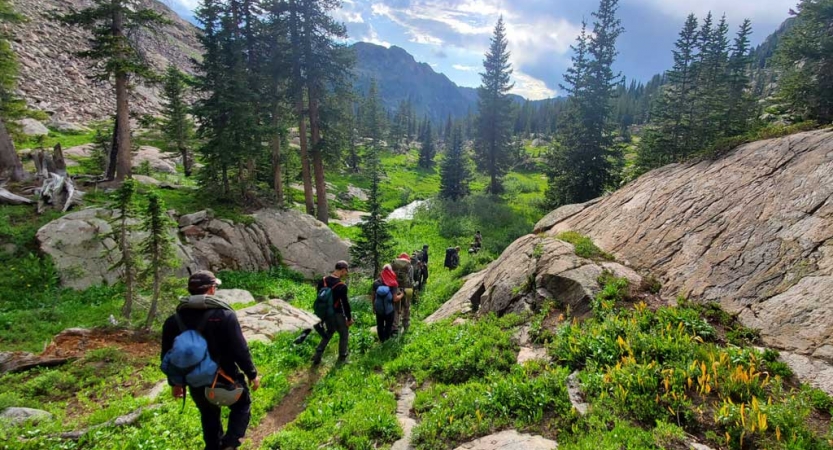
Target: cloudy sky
452	35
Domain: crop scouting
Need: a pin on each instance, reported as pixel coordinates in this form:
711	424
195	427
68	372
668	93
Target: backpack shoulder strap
180	323
324	280
200	326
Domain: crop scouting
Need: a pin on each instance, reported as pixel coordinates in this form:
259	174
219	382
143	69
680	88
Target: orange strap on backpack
335	301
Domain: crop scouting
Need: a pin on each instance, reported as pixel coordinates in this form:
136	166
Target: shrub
584	246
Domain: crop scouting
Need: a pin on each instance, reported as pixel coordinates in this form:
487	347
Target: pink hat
389	277
405	256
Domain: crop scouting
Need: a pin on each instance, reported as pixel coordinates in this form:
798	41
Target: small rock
264	320
459	321
16	416
68	127
79	151
193	231
144	179
32	127
195	218
574	392
234	296
529	354
8	249
696	446
510	440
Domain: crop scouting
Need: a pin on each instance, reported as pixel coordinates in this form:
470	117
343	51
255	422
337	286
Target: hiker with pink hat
385	296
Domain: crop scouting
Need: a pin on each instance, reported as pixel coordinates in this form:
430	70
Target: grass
54	137
584	246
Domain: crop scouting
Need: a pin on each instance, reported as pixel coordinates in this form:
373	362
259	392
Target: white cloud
465	68
769	11
190	4
349	12
531	88
373	37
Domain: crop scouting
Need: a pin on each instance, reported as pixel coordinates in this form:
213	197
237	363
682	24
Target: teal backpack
324	306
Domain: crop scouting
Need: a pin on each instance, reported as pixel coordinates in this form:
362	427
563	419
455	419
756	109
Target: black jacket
341	304
222	332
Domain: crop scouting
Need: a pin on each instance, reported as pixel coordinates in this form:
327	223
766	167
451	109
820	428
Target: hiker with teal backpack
385	295
204	351
333	308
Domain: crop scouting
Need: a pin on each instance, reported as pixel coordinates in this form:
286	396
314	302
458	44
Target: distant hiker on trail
385	295
339	316
478	240
202	348
452	258
423	275
405	277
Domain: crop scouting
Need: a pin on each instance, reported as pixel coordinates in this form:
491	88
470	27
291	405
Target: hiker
405	278
452	258
478	241
342	318
217	323
385	295
423	275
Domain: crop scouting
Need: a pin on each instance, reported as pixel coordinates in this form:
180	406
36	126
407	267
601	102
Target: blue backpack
188	361
384	300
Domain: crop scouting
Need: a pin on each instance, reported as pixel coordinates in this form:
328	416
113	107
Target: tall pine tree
494	121
582	165
10	105
739	104
428	150
454	171
116	57
176	125
157	249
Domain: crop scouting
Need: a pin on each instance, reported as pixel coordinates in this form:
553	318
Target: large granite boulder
154	157
291	237
752	230
84	254
82	251
16	416
531	270
265	320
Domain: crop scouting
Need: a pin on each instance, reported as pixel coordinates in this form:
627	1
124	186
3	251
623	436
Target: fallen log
7	198
58	189
13	362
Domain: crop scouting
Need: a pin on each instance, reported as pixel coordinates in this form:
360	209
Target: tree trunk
114	154
305	169
124	164
157	283
10	166
277	178
127	262
317	157
186	162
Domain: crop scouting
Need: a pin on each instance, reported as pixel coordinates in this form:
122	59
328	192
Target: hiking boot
316	359
342	360
303	337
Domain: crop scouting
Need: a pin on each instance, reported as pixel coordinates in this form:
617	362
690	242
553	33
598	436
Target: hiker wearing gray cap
209	327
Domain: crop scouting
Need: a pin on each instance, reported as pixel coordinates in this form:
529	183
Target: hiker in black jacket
226	346
343	315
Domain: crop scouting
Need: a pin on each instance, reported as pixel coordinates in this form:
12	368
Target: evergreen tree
805	58
116	57
10	105
494	105
447	132
712	83
373	116
157	249
671	135
583	164
124	210
739	104
454	171
375	242
428	150
176	125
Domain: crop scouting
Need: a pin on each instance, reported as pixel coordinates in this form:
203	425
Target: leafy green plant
584	246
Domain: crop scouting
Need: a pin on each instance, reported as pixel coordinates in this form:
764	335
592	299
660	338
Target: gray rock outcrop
752	230
80	248
510	440
265	320
32	127
16	416
531	270
235	296
155	158
82	251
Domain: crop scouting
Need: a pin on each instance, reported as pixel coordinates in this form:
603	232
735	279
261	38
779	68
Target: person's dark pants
384	326
212	426
330	327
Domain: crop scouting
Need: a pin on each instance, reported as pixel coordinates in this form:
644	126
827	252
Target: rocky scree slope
53	79
751	231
